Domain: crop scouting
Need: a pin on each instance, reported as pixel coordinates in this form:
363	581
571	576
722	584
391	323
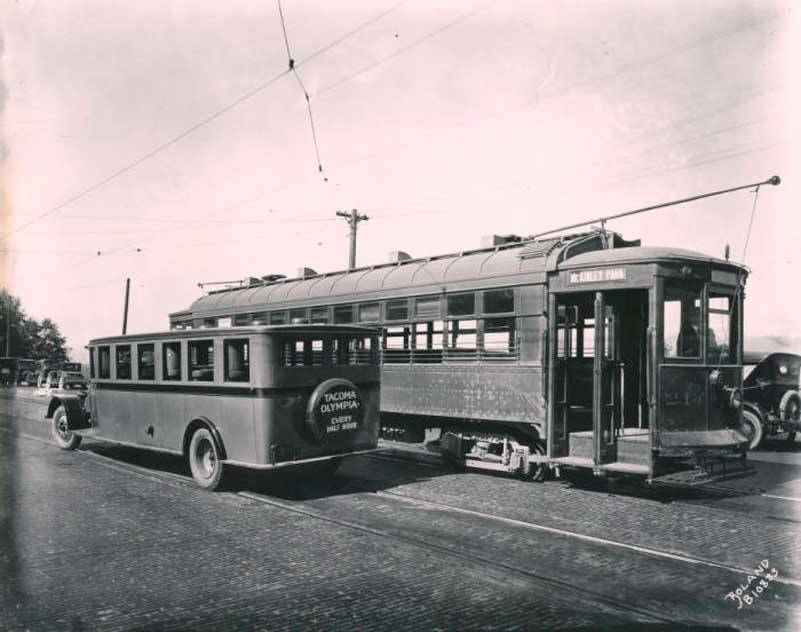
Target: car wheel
204	459
59	430
751	427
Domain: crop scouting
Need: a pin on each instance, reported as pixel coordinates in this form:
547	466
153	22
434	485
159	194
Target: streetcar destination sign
597	275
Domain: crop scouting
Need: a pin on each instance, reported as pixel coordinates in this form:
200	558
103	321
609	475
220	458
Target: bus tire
204	459
62	436
751	427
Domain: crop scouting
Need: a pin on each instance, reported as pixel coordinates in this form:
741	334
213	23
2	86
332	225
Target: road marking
587	538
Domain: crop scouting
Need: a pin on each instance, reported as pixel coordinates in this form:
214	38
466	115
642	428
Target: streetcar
577	351
260	397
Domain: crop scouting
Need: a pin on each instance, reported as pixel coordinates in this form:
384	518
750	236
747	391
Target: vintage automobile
771	400
66	380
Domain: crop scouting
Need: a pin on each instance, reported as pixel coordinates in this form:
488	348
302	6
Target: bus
17	371
582	350
260	397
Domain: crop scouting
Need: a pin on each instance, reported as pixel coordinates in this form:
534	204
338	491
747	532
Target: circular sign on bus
335	411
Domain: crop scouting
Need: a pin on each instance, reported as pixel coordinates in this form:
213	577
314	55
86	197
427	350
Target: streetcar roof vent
397	256
305	273
271	278
490	241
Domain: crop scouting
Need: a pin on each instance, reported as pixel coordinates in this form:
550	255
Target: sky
168	143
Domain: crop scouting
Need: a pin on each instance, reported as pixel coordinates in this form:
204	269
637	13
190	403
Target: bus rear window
350	350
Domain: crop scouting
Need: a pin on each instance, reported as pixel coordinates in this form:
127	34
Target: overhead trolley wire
179	137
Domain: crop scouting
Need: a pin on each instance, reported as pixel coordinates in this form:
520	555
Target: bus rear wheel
59	430
204	459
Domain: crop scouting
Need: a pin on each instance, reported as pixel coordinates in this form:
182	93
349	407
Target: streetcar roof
426	275
644	254
207	332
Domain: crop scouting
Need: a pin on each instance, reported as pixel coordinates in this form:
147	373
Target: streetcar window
461	304
237	360
319	315
682	322
427	307
369	313
201	360
171	368
104	362
499	335
243	319
259	318
397	310
462	334
209	322
92	363
278	318
499	301
224	322
299	315
719	338
343	314
146	361
123	362
397	341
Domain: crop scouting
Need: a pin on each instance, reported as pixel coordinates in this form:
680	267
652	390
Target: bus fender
201	422
73	406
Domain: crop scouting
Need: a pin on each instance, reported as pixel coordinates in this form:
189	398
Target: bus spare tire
335	411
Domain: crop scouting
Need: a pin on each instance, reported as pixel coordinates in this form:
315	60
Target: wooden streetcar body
155	391
496	349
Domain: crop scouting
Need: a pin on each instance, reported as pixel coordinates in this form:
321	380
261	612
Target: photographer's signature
755	585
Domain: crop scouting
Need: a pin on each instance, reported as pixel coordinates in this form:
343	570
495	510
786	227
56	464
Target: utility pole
125	312
353	218
8	326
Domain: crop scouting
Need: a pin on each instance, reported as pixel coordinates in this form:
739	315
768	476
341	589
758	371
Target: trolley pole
125	312
353	218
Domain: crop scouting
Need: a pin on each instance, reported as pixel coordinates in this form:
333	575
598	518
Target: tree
25	337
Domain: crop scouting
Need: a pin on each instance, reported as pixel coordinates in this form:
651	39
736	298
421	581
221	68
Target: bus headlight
735	398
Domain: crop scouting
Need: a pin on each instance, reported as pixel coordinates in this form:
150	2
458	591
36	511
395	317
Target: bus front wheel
204	459
59	430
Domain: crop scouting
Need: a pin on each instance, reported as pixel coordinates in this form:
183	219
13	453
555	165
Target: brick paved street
112	538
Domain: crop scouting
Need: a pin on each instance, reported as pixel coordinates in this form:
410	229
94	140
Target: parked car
66	380
771	400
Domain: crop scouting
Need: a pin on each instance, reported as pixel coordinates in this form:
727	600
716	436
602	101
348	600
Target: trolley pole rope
775	180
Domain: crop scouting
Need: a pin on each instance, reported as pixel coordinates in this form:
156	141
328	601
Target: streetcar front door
600	410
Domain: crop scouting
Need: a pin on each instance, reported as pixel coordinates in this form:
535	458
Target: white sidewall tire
752	429
63	438
204	459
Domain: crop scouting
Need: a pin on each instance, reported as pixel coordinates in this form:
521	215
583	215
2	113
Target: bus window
682	337
123	362
201	360
237	361
172	360
146	361
462	335
104	361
